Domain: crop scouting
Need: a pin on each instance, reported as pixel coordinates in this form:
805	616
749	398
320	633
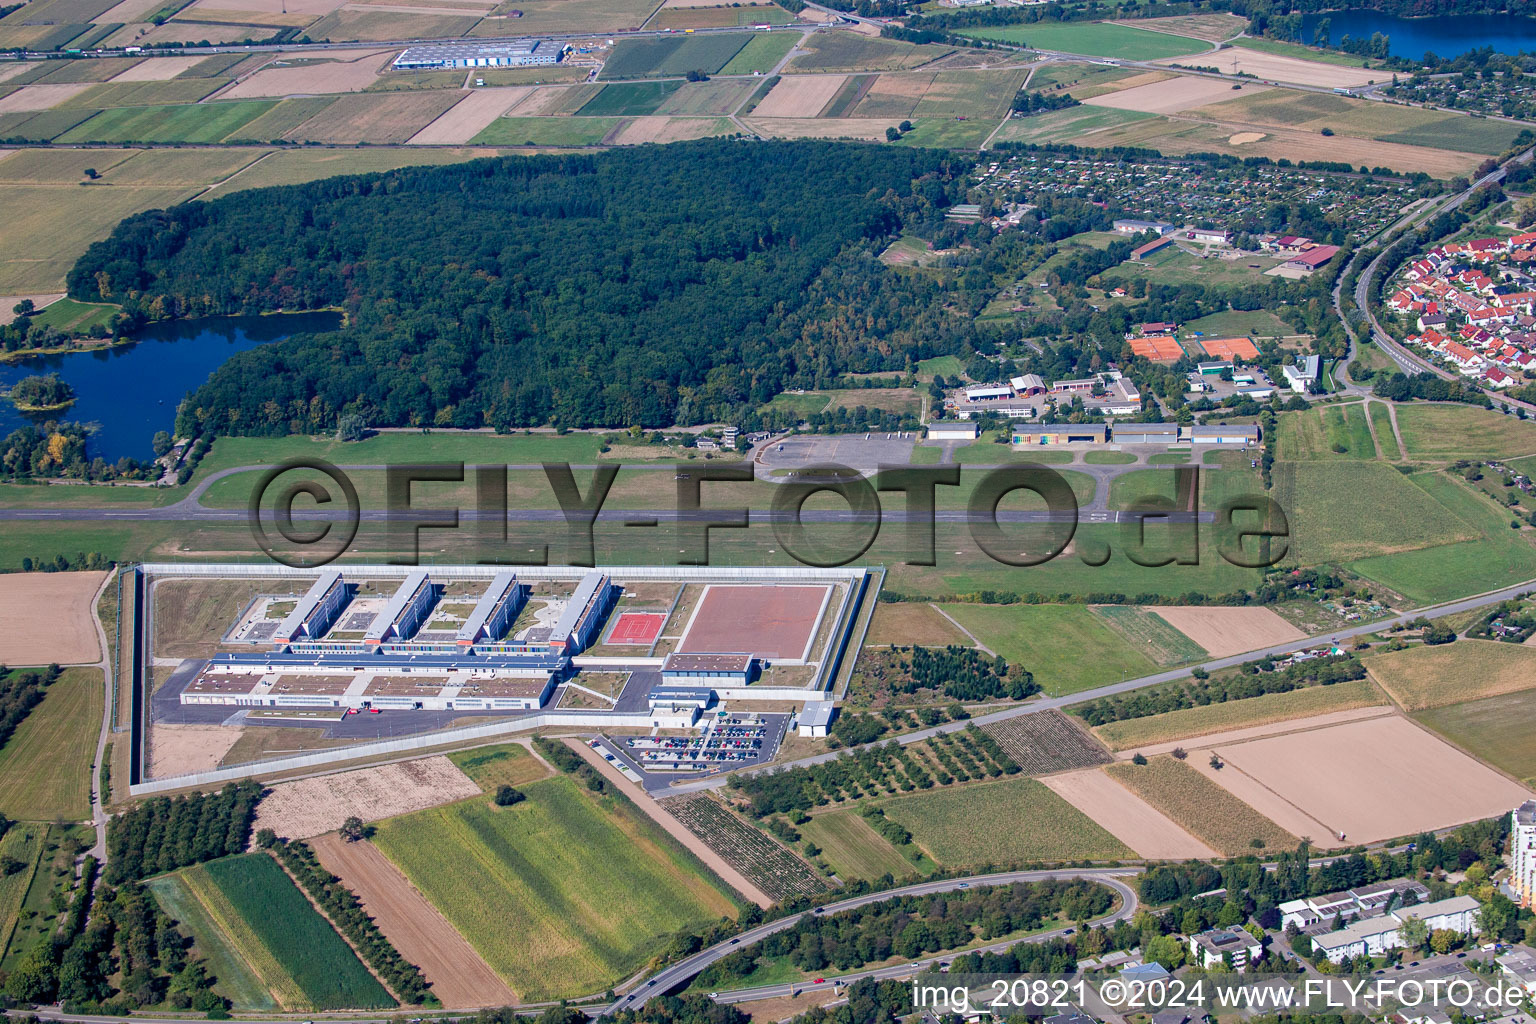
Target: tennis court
640	628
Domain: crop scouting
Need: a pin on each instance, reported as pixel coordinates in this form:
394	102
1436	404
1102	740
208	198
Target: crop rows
1046	742
879	771
766	864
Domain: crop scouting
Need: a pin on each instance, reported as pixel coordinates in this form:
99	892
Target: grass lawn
69	315
1461	431
908	622
507	764
1458	132
1174	266
948	132
595	888
1201	806
1067	647
1093	39
235	981
1257	323
1495	729
1386	437
853	849
947	366
1109	458
1013	821
1238	714
45	769
801	405
1321	433
384	449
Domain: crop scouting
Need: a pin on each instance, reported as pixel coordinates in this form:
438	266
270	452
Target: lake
132	391
1446	35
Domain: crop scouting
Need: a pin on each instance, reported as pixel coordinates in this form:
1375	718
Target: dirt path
955	622
674	828
460	977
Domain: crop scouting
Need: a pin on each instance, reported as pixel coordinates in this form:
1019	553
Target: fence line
602	719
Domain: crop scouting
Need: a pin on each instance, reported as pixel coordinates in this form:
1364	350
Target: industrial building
953	430
1037	434
708	669
518	53
816	718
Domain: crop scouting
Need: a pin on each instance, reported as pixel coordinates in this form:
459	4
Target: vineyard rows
1047	742
765	863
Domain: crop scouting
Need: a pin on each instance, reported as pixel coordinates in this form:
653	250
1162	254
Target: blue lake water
1445	35
132	391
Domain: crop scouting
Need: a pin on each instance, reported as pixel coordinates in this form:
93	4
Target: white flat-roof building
1220	945
1376	935
816	718
518	53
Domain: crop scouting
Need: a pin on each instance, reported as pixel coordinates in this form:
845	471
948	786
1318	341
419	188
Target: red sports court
637	628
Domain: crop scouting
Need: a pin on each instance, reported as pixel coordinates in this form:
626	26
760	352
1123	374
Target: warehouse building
1147	433
708	669
953	430
1245	434
518	53
1031	435
816	718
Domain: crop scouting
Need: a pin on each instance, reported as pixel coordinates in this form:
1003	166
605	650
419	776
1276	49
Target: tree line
1254	680
165	833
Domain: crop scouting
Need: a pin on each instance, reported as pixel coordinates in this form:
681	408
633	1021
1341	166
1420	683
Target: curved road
684	971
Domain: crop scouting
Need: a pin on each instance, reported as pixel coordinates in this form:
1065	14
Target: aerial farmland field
597	886
1016	820
195	122
45	767
1424	677
1095	39
1202	807
674	55
1042	638
1494	729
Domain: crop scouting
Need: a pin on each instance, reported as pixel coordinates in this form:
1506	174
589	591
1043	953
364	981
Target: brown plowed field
48	617
1126	816
1226	631
459	976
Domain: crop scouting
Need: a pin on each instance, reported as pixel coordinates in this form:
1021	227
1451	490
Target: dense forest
646	286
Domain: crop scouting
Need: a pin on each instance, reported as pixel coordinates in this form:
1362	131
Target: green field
270	924
1238	714
23	843
1324	502
1494	729
1053	642
45	768
1257	323
1109	458
629	99
508	764
547	131
853	849
193	122
1014	821
715	97
1093	39
49	883
233	979
947	366
1326	433
1386	437
1460	133
1495	557
277	122
69	315
594	888
1462	431
674	55
762	53
948	132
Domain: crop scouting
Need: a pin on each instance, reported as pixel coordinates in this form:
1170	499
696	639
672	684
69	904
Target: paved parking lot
865	452
767	730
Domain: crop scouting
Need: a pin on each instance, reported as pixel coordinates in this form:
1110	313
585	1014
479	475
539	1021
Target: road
1126	686
684	971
